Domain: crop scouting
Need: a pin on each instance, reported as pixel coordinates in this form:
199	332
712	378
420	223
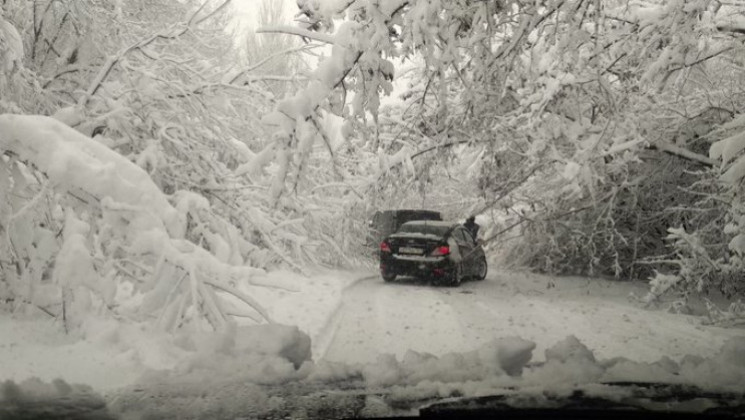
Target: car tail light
441	251
384	247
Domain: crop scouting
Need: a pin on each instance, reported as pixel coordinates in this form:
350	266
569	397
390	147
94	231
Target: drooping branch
293	30
270	58
731	28
171	33
700	60
683	153
240	295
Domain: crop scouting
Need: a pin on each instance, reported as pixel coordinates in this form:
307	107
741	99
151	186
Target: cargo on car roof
386	222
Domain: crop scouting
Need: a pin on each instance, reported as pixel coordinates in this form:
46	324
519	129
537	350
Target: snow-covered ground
393	318
108	355
403	342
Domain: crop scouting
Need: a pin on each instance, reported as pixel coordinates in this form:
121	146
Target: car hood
627	400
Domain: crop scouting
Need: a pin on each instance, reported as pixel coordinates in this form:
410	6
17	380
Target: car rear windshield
424	228
405	216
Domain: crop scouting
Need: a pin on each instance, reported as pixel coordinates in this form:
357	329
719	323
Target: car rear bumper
413	266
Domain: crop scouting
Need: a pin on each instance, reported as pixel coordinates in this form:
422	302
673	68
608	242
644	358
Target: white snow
75	161
407	340
408	315
108	355
11	46
439	223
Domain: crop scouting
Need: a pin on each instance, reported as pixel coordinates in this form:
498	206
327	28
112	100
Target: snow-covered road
377	318
354	317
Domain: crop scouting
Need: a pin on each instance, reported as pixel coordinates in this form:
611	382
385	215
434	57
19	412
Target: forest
158	147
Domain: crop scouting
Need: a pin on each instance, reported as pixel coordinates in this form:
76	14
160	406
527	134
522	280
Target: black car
443	252
386	222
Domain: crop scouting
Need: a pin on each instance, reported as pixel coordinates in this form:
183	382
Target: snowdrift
231	379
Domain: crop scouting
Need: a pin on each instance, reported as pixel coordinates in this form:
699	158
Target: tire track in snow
327	333
380	317
597	312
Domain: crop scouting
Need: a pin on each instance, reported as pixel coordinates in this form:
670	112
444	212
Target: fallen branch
246	299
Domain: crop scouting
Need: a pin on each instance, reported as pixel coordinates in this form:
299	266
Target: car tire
457	277
388	277
481	269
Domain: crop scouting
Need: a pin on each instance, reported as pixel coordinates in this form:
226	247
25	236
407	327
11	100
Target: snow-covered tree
158	207
567	106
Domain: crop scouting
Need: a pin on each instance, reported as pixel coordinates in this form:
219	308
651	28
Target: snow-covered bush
131	233
154	205
708	256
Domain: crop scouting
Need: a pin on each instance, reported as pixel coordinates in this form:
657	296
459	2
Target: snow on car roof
431	223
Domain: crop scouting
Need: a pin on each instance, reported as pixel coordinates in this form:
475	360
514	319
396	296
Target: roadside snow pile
571	362
263	354
108	354
33	398
259	370
505	363
568	363
234	381
500	363
506	356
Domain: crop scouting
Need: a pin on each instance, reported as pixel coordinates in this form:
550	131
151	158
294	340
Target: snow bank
233	369
506	356
33	398
263	354
285	341
506	363
107	354
268	369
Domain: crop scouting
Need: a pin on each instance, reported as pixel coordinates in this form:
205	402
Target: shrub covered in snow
146	197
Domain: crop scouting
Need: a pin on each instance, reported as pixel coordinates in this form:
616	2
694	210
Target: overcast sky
247	10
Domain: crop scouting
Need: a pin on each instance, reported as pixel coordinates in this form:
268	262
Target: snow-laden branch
293	30
731	28
291	116
208	16
135	213
240	295
684	153
265	60
74	161
171	33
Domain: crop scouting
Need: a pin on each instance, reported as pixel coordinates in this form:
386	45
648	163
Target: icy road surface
377	317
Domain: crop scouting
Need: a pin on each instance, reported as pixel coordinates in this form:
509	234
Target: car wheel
481	269
457	276
388	277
